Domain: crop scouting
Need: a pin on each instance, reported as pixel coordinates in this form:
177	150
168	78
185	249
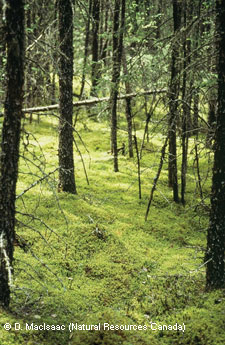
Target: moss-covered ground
91	258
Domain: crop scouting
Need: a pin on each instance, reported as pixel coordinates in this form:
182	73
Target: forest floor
92	259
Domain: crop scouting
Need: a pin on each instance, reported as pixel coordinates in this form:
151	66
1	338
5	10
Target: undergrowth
91	258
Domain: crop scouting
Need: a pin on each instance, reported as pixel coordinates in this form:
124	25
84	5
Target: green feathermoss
91	258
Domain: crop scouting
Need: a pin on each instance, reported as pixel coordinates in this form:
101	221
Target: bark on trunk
174	93
66	162
215	269
87	35
11	141
186	97
95	45
128	108
117	57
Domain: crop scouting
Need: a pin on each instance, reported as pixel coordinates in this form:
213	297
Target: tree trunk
54	57
128	107
66	162
195	111
215	269
95	45
173	105
195	57
117	57
158	20
186	96
212	103
212	92
184	136
28	74
2	51
10	141
86	43
104	30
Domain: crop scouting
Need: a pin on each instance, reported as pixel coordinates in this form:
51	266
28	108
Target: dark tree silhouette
128	107
66	162
86	44
215	269
173	104
95	45
10	141
118	28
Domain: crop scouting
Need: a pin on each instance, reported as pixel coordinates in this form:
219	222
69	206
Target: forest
112	172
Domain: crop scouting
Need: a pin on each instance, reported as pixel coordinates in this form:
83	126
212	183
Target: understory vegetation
92	258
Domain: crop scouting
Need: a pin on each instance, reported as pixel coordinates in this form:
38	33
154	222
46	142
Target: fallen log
92	101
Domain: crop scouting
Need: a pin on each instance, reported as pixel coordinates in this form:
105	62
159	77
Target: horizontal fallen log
92	101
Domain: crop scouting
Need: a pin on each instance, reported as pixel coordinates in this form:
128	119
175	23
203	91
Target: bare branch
35	183
93	101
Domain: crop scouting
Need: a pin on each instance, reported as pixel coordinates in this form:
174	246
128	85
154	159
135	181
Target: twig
41	221
85	171
163	151
35	183
198	171
35	230
46	266
138	163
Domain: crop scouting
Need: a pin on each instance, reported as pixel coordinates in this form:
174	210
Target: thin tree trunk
173	105
105	17
195	57
199	182
195	111
158	20
10	141
117	57
149	115
101	26
139	166
87	36
212	103
53	87
186	98
212	93
215	269
95	45
128	108
55	56
28	74
66	162
2	53
1	42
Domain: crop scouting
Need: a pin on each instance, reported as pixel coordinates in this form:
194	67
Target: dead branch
82	160
139	166
163	151
88	102
35	183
